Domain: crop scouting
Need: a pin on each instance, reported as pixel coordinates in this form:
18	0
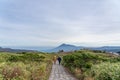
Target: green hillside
25	66
83	64
93	65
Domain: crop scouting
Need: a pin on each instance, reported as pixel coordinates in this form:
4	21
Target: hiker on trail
59	60
54	59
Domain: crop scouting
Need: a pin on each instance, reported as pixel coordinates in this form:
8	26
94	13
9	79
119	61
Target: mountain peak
64	45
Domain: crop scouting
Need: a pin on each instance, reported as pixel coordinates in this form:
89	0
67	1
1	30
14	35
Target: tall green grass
105	71
28	66
80	63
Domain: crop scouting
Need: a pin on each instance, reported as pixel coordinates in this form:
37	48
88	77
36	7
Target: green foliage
105	71
25	66
82	60
26	57
87	60
10	73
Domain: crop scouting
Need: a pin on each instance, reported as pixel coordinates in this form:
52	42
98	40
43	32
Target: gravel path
58	73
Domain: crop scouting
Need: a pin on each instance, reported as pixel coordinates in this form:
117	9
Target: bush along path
58	73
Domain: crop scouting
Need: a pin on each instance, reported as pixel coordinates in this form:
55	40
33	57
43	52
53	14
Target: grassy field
25	66
84	64
93	65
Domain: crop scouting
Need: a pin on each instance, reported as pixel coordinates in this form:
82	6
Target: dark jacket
59	58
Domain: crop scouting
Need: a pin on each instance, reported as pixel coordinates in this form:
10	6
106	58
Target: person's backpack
59	58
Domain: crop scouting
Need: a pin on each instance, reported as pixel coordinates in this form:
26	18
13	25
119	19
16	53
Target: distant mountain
64	47
68	47
108	48
14	50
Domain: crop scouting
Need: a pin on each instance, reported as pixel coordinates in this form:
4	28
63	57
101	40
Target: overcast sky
53	22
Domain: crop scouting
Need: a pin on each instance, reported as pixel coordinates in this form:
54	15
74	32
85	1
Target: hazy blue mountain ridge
64	47
68	47
14	50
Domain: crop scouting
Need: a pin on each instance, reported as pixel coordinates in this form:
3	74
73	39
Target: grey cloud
56	21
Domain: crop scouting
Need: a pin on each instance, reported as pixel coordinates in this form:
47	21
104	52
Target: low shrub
9	73
85	60
105	71
26	57
28	66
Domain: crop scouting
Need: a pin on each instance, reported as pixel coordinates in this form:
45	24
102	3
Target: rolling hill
64	47
14	50
68	47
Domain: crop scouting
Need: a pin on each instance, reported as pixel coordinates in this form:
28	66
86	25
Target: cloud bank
52	22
